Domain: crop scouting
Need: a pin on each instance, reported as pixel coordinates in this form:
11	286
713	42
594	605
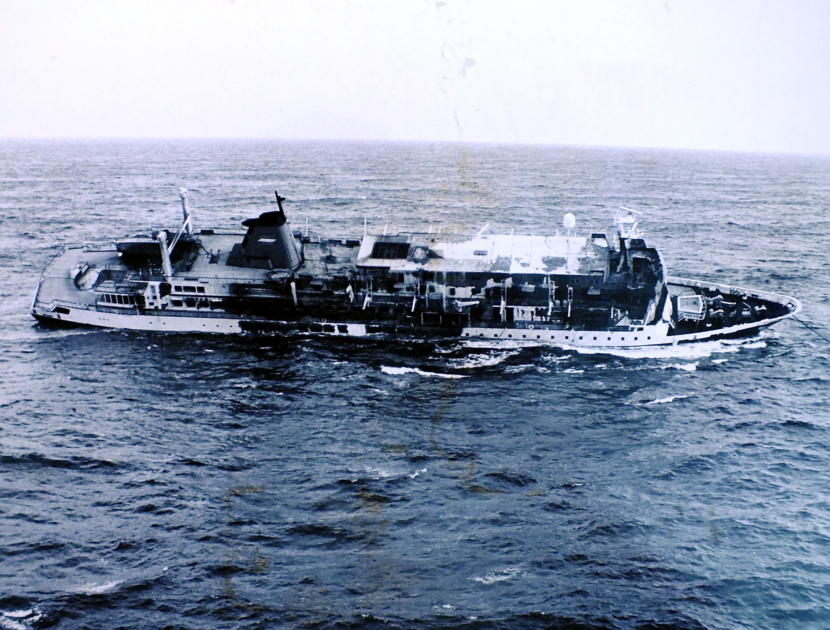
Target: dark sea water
151	481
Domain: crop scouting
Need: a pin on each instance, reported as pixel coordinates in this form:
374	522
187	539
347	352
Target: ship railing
793	304
55	302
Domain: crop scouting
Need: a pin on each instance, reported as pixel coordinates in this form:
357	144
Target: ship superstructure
563	289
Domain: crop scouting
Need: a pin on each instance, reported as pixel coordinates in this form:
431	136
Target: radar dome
569	221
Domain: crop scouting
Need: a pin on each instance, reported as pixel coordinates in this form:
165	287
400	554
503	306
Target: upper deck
496	253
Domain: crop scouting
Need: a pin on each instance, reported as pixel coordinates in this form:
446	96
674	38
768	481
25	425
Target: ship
564	290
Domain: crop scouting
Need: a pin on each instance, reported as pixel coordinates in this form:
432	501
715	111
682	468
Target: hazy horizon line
516	143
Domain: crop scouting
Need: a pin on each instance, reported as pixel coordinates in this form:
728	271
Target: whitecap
692	350
482	360
497	576
19	619
18	614
98	589
11	624
518	369
667	399
573	371
380	473
500	344
397	370
688	367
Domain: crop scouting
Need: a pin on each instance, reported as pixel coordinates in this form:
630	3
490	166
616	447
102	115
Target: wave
38	459
99	589
23	619
398	371
667	399
480	360
695	350
687	367
38	332
492	577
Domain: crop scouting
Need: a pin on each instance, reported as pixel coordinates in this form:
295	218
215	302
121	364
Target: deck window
390	250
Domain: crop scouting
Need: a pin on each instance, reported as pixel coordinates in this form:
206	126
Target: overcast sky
720	74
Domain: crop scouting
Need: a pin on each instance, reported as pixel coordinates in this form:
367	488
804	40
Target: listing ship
564	290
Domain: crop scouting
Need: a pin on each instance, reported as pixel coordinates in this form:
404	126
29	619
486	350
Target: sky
700	74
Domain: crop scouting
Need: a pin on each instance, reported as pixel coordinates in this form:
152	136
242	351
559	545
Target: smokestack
268	244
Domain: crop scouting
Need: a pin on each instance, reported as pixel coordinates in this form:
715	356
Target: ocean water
175	481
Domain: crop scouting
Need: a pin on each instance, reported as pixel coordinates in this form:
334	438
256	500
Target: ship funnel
268	244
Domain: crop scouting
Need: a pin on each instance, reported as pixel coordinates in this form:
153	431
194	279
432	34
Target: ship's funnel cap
275	218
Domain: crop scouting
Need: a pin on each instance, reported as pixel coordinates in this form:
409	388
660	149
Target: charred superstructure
597	291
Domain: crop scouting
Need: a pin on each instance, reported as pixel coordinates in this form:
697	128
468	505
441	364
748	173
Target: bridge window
390	250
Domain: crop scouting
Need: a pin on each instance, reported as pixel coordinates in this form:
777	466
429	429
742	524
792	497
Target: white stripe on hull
655	335
180	324
135	321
